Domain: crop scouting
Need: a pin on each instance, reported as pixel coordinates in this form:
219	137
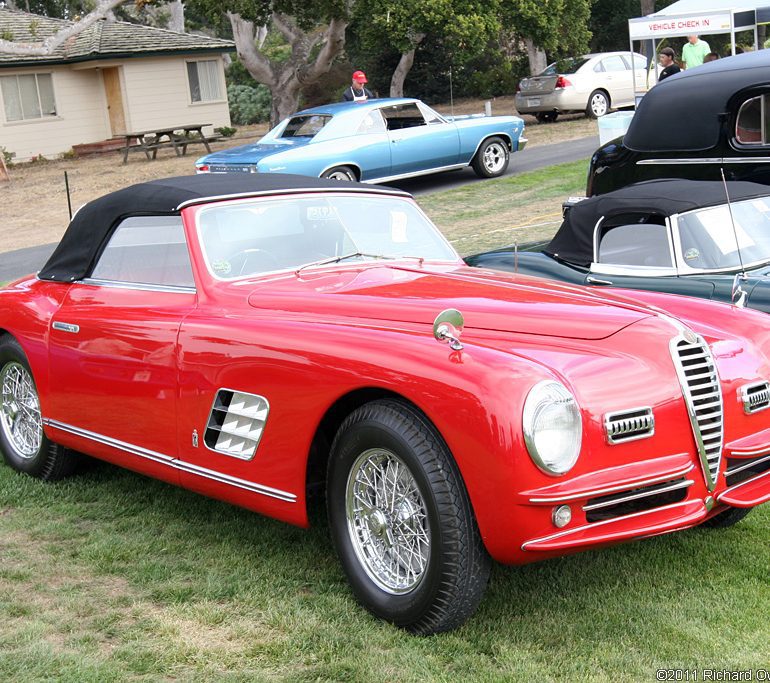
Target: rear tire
547	116
598	104
401	521
727	518
23	443
340	173
492	158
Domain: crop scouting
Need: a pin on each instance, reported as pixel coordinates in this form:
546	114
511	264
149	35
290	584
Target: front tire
401	521
340	173
492	158
598	104
23	443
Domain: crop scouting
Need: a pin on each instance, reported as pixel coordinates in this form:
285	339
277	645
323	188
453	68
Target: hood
254	152
399	293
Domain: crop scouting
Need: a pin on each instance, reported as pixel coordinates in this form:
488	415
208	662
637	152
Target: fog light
561	516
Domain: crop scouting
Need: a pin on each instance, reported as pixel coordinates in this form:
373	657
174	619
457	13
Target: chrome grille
755	397
628	425
703	395
236	423
232	168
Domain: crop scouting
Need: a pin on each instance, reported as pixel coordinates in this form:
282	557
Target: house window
29	96
205	82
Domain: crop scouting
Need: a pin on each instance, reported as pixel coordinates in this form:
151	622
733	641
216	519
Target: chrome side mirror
448	326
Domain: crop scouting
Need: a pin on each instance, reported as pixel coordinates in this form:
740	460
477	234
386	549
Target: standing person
666	60
694	52
357	92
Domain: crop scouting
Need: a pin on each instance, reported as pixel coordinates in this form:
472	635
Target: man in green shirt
694	52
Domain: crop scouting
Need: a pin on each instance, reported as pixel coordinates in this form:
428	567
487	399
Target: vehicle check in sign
659	27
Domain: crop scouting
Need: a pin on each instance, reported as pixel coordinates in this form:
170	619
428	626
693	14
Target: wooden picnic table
178	137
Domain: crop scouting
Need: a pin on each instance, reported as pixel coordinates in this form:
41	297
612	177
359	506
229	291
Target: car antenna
737	292
451	97
69	199
516	256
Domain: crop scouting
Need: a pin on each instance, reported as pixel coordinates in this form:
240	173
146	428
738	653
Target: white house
113	78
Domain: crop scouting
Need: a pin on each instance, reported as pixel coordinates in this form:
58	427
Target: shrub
225	131
249	104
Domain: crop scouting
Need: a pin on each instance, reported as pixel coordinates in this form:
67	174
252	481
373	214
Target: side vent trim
629	425
236	423
755	397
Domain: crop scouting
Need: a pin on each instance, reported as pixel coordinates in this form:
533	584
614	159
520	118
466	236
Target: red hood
488	301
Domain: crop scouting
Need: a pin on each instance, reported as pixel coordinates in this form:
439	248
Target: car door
113	345
372	146
417	145
618	79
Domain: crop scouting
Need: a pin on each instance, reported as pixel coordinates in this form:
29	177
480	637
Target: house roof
102	40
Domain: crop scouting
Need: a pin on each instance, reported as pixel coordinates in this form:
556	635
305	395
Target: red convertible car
255	338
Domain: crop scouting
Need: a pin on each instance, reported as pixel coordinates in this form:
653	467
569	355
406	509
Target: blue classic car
375	142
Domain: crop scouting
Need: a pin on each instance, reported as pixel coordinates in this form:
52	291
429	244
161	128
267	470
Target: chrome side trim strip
174	462
595	525
740	468
414	174
65	327
748	453
141	286
645	494
703	160
595	493
735	487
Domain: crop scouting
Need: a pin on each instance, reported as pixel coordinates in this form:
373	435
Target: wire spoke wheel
387	521
20	417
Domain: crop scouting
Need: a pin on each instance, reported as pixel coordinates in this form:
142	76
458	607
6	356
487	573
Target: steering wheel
263	260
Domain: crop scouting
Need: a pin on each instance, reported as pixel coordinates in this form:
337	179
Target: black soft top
683	111
574	241
92	225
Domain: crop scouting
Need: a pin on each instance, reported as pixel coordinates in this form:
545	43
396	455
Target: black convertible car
715	116
678	236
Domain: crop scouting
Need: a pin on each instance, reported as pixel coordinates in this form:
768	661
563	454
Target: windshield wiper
344	257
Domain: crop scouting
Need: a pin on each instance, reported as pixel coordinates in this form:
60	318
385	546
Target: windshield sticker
691	254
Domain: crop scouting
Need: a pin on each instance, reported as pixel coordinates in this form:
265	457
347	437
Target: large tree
465	27
314	32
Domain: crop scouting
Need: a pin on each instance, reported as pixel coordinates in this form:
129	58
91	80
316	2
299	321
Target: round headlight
553	430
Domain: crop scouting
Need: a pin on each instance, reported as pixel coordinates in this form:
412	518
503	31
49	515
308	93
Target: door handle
65	327
395	142
597	281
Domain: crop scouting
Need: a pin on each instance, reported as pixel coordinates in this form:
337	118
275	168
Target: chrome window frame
633	271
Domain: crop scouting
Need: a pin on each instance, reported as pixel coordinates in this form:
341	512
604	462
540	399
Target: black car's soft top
683	111
574	241
93	223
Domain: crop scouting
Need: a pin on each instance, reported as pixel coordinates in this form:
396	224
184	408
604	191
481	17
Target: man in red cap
357	92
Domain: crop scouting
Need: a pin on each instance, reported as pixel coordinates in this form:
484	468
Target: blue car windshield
249	237
710	240
307	126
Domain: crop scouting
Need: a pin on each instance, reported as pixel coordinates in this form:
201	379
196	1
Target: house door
114	99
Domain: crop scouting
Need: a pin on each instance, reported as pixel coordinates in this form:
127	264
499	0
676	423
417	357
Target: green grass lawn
111	576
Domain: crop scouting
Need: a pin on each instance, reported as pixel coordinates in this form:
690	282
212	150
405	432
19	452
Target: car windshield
250	237
568	65
708	240
306	126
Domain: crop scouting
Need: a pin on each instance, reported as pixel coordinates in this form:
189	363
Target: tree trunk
403	68
648	7
286	79
176	16
537	59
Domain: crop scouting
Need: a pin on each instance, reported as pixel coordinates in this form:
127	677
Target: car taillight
202	169
562	82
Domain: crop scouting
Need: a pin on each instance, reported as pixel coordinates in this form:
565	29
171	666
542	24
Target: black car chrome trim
65	327
173	462
595	525
595	493
685	161
644	494
143	287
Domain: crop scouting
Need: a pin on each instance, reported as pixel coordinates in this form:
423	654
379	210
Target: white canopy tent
700	17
